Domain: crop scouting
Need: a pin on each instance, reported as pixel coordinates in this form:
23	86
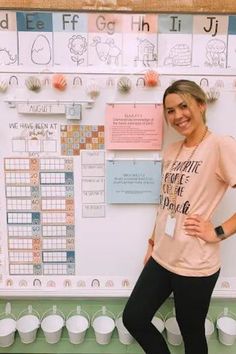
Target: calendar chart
40	216
75	138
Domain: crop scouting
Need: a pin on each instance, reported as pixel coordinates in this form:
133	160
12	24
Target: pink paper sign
133	127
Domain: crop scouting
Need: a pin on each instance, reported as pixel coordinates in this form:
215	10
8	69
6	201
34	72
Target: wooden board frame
167	6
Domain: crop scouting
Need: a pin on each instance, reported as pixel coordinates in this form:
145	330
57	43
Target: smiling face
185	115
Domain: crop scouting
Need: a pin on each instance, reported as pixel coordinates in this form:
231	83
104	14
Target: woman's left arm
196	226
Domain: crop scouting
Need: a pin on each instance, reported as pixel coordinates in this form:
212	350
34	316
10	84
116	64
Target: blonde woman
183	252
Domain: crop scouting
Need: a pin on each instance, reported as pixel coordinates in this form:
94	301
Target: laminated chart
40	216
93	183
133	181
81	137
107	41
134	126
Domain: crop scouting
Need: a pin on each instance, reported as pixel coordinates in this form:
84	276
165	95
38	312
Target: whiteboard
109	249
104	255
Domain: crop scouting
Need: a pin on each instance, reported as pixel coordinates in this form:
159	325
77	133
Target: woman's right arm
150	246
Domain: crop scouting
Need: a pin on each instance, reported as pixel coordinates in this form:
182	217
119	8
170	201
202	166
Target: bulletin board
82	137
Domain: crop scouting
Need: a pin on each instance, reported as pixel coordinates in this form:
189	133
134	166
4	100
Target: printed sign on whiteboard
40	108
134	127
136	181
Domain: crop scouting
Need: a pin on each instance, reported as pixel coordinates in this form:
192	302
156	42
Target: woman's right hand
148	253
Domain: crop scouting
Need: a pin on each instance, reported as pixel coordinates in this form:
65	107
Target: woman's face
185	115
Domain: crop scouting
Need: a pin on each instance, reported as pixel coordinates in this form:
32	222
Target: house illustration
146	53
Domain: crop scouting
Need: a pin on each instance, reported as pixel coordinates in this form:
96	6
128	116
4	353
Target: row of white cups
103	323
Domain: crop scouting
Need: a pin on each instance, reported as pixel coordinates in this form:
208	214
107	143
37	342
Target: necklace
172	190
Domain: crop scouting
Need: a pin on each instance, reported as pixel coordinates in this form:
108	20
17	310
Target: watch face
219	231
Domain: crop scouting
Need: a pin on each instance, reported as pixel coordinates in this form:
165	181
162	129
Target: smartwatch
220	232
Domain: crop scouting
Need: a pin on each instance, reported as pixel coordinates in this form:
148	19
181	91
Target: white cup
7	331
103	327
226	329
158	322
209	328
174	336
52	325
77	326
124	335
27	326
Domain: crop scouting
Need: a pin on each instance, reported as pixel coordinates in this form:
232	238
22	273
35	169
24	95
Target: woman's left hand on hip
196	226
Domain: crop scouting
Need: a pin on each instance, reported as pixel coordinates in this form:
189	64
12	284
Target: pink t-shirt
202	182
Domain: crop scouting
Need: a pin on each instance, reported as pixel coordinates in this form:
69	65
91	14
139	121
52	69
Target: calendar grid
20	230
53	191
20	244
54	230
55	269
15	191
40	215
54	243
21	269
17	178
52	178
75	138
19	204
16	164
53	204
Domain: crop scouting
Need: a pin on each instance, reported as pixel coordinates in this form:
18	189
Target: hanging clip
13	79
77	81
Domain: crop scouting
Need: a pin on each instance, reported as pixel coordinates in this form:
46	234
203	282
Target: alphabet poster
42	40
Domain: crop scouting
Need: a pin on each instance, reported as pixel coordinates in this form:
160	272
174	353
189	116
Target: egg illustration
41	50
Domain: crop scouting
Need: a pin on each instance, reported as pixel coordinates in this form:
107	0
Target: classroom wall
115	305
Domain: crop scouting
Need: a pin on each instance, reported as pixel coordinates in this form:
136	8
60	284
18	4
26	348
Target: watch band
220	232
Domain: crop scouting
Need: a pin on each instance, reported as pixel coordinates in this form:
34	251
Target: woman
183	252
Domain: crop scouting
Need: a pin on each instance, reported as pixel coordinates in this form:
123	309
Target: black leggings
191	297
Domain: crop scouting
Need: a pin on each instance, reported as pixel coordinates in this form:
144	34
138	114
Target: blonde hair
187	89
